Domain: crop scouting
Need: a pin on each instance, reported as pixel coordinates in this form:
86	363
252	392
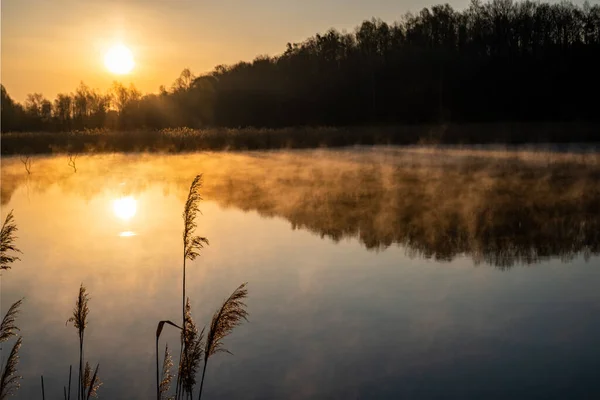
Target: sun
119	59
125	207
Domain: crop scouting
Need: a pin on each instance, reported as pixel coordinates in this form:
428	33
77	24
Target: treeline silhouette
494	61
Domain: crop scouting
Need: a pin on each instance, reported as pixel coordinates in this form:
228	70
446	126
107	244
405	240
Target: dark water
371	273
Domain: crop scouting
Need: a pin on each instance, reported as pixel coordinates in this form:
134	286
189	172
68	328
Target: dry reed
227	317
161	386
166	376
91	383
9	382
192	354
191	249
79	320
7	242
8	327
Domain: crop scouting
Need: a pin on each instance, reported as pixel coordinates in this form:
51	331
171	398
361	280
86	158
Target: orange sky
50	46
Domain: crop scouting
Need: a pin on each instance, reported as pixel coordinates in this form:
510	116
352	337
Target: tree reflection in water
496	207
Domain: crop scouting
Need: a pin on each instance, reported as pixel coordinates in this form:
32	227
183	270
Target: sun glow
125	207
127	234
119	60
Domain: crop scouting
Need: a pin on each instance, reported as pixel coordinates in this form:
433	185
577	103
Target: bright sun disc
125	207
119	60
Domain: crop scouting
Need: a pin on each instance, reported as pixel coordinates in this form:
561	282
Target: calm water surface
371	273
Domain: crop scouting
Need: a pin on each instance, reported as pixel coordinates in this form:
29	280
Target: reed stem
202	380
80	388
70	373
157	373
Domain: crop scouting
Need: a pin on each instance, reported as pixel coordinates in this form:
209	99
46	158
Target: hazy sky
49	46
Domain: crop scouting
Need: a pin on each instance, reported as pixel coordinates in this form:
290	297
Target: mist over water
380	272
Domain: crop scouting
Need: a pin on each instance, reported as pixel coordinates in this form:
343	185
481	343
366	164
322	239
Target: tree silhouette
494	61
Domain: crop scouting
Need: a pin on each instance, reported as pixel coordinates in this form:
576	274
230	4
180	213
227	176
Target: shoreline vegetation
178	140
493	61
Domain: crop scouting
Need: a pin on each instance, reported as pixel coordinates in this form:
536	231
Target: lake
381	272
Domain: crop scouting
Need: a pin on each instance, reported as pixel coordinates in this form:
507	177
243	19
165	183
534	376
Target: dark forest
492	62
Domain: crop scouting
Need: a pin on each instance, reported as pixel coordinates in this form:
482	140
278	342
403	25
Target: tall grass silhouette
88	384
9	382
163	380
7	242
192	354
194	347
8	328
79	320
9	379
230	315
91	383
192	245
177	140
68	397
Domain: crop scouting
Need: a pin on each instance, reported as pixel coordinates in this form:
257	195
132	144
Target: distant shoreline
228	139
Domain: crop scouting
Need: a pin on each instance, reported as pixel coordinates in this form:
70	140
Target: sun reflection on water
125	208
127	234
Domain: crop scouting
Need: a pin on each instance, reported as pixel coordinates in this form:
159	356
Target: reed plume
9	382
8	327
193	349
79	320
230	315
166	376
7	242
192	244
191	249
91	383
159	381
